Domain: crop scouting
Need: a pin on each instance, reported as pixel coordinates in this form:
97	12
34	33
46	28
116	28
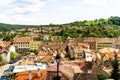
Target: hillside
97	28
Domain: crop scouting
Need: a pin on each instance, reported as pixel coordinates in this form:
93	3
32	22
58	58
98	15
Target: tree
103	76
7	38
115	65
13	55
1	58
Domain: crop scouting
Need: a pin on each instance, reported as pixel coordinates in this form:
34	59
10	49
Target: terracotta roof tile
47	59
22	39
24	75
105	40
40	53
25	62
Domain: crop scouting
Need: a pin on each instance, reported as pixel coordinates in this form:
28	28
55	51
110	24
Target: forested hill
8	27
97	28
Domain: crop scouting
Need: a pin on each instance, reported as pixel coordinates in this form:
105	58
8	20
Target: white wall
88	56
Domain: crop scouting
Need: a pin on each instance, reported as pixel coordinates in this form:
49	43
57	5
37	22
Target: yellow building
22	43
34	45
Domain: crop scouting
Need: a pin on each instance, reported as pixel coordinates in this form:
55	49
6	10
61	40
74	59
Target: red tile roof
24	75
40	53
22	39
26	62
75	68
81	64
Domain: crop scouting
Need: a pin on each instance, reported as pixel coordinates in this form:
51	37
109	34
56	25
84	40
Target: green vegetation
97	28
13	56
9	27
116	71
1	58
103	76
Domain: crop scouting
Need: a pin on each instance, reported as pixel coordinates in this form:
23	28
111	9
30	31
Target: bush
1	58
103	76
13	55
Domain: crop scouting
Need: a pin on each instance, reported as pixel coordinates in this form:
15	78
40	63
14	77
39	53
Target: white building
6	53
88	56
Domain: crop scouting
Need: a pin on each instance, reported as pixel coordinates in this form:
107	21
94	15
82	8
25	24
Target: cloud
4	3
25	6
66	7
55	0
94	2
20	11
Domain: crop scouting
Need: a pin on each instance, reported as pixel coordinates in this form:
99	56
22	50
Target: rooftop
22	39
21	68
25	75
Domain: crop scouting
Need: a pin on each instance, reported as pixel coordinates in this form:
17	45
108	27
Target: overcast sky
56	11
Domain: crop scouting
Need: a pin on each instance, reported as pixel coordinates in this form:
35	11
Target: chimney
30	75
38	72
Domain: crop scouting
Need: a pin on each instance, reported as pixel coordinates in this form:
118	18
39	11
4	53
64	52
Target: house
5	49
34	45
85	76
22	43
46	37
31	75
117	43
30	72
41	55
91	41
67	71
96	43
104	42
55	38
88	56
78	53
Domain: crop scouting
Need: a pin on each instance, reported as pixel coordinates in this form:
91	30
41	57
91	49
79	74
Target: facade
98	43
5	49
105	42
88	56
117	43
91	41
34	45
22	43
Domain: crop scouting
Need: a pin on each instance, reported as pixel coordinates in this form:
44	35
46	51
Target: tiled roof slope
24	75
22	39
85	76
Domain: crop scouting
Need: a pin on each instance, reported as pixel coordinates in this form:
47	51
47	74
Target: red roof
22	39
82	64
25	75
40	53
75	68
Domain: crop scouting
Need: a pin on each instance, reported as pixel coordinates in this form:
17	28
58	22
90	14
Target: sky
42	12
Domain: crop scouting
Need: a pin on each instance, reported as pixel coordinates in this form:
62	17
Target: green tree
115	65
1	58
7	38
103	76
13	55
